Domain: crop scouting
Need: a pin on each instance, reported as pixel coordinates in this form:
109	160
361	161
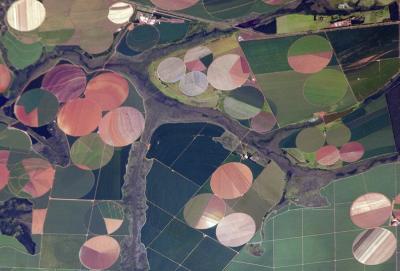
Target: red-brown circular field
4	172
66	81
108	89
100	252
174	4
204	211
5	78
79	117
370	210
236	229
231	180
327	155
196	59
228	72
351	152
121	126
263	122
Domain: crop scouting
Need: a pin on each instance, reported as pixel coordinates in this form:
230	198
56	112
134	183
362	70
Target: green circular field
325	88
244	102
143	37
106	218
72	182
90	152
36	107
310	139
338	135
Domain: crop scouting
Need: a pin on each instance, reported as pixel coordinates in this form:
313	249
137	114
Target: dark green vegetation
143	37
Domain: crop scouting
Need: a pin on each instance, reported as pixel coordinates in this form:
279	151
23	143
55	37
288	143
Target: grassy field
320	238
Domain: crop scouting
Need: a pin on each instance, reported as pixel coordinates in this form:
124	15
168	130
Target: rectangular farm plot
344	244
159	262
288	224
351	264
67	216
287	252
317	221
266	259
61	251
156	221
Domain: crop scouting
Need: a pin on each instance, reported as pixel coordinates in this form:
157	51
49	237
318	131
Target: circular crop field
325	88
4	172
198	58
79	117
142	37
109	90
31	178
5	78
370	210
121	126
327	155
204	211
106	217
231	180
236	229
263	122
310	54
100	252
72	182
26	15
244	103
228	72
65	81
171	70
338	135
175	4
37	107
90	152
14	139
374	246
193	83
310	139
120	12
352	152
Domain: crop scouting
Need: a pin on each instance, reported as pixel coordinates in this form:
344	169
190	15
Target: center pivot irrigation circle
228	72
236	229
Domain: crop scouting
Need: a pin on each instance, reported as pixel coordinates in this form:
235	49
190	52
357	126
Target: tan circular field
26	15
174	4
109	90
370	210
228	72
171	70
100	252
193	83
236	229
193	58
120	12
263	122
352	152
121	126
310	139
204	211
374	246
79	117
231	180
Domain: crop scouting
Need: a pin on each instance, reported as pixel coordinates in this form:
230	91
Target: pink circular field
5	78
370	210
121	126
204	211
263	122
236	229
327	155
79	117
41	176
174	4
351	152
231	180
4	172
100	252
65	81
109	90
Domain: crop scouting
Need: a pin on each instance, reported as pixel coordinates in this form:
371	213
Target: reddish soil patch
310	63
100	252
4	172
263	122
41	176
5	78
327	155
38	219
351	152
30	119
